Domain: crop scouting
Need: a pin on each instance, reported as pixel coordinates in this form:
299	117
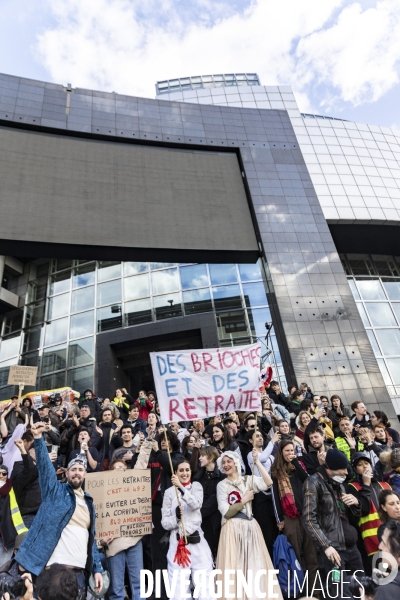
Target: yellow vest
15	514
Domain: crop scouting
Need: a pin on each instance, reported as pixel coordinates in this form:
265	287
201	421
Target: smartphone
54	449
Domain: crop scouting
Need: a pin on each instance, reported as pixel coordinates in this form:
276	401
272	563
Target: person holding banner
241	545
195	554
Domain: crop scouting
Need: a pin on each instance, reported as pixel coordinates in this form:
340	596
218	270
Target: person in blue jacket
63	531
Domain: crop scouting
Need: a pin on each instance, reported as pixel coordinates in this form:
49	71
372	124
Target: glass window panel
37	290
84	275
257	320
7	392
380	313
10	347
109	292
161	265
194	276
392	289
197	301
54	359
363	314
168	306
32	338
254	294
12	321
4	372
165	281
133	268
35	313
250	272
58	306
389	340
394	369
109	317
227	297
373	342
354	289
396	308
82	299
138	311
30	360
61	263
223	274
52	382
232	324
371	289
56	332
80	379
82	324
60	283
81	352
384	371
108	270
136	287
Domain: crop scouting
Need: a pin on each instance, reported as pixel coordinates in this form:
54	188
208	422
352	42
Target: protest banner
122	501
42	397
193	384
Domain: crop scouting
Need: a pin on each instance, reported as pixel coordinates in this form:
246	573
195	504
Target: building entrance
133	357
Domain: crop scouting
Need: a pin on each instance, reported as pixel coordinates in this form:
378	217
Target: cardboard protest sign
192	384
25	375
122	501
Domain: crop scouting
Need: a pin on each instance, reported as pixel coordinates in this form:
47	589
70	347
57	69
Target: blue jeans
132	558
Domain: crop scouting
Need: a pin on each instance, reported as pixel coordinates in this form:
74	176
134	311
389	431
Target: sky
342	58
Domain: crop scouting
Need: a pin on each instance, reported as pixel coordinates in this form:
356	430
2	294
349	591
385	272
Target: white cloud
127	45
358	56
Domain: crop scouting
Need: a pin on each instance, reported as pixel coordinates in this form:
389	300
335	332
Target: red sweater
144	409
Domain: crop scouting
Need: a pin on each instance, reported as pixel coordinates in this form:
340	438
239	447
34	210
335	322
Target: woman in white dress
241	545
196	555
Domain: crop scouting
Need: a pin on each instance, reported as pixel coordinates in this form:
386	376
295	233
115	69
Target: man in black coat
92	401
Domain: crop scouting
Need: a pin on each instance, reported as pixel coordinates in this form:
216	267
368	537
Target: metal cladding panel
66	190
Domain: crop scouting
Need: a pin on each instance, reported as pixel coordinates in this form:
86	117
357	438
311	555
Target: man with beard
63	531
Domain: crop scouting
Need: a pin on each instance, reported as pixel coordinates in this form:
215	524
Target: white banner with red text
193	384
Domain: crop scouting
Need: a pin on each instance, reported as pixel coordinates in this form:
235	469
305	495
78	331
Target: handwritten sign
193	384
122	501
25	375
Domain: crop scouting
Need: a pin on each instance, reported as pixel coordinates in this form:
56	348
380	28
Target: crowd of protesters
324	475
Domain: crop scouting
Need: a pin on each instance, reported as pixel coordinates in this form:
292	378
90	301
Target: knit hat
78	460
336	460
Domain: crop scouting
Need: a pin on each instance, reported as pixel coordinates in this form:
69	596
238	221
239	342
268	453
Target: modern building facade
191	220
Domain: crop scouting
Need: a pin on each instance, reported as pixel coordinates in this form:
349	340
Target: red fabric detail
185	484
4	491
234	497
182	554
289	507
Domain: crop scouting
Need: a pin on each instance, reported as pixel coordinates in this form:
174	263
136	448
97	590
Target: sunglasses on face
251	426
3	473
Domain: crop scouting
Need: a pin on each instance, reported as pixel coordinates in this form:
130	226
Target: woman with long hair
389	506
303	419
287	494
379	417
222	441
185	518
241	545
190	449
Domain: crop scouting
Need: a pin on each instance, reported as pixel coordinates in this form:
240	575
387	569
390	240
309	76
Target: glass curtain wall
375	283
69	302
